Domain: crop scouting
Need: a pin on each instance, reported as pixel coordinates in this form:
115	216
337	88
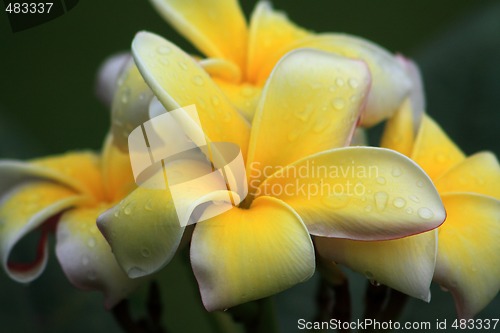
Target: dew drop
414	198
381	180
201	103
149	206
425	213
198	80
368	208
91	242
420	183
353	83
215	100
183	65
127	210
338	103
399	202
164	49
374	283
125	96
381	200
339	82
145	252
164	61
396	172
320	126
116	214
409	210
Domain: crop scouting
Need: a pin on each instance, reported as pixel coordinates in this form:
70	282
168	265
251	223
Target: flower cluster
412	211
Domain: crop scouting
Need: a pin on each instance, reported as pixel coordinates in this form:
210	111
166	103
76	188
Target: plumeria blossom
240	57
468	256
263	246
66	194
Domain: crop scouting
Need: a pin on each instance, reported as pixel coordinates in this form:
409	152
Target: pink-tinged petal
108	75
303	109
25	209
247	254
405	264
468	262
433	149
86	257
479	173
217	28
417	94
360	193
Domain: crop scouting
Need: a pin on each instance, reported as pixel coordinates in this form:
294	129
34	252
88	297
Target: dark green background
47	106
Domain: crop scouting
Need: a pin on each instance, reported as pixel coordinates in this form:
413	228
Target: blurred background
48	106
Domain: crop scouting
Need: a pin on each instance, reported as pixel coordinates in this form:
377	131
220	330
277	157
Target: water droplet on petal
320	126
91	242
368	208
145	252
381	180
374	283
183	65
414	198
338	103
381	200
198	80
399	202
409	210
353	83
396	172
339	82
125	95
164	49
127	210
425	213
215	100
420	183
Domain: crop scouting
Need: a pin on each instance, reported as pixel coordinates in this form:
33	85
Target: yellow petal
130	104
80	171
479	173
116	171
468	262
271	32
245	97
86	257
221	68
390	83
433	149
398	133
405	264
179	81
361	193
217	28
304	109
145	228
243	255
24	209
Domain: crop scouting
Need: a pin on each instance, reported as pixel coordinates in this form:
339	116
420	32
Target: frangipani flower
263	246
70	190
468	256
241	57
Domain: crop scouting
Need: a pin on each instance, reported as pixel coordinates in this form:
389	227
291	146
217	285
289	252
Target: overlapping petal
390	83
399	132
468	263
243	255
24	209
310	103
405	264
479	173
433	150
217	28
270	35
177	80
361	193
86	257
